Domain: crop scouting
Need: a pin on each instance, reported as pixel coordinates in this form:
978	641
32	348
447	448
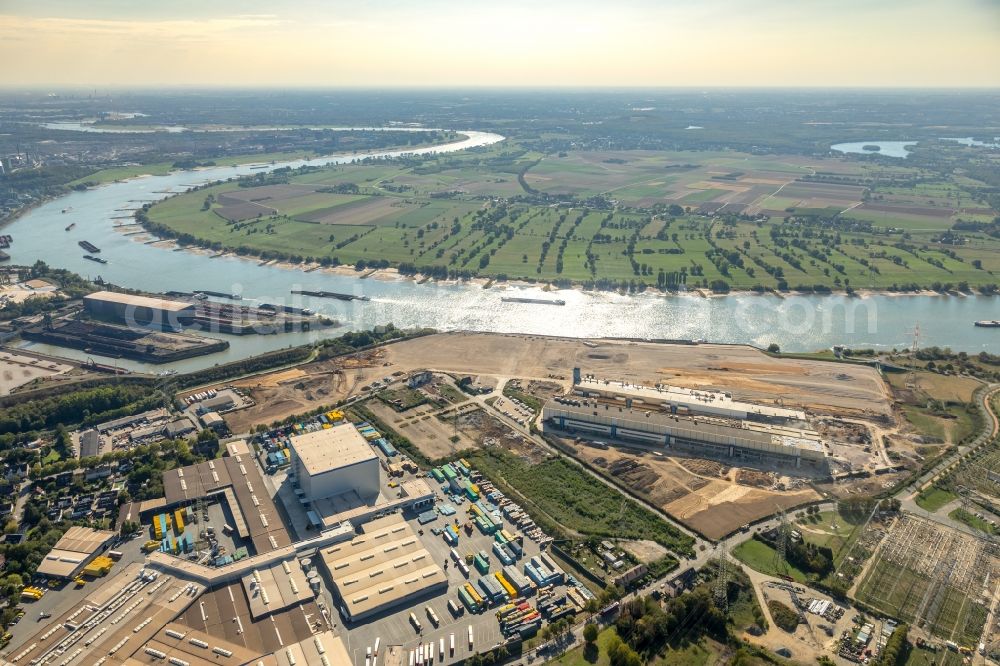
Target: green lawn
761	557
972	520
560	495
934	498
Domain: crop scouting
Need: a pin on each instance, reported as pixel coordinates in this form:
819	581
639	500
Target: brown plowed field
359	213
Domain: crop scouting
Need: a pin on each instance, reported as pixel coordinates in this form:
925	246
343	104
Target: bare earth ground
285	393
429	433
645	551
712	504
20	369
746	372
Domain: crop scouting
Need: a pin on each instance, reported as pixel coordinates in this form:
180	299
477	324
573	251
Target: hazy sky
500	43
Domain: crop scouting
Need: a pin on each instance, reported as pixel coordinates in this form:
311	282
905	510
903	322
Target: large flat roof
351	506
240	476
381	567
75	547
139	301
774	440
332	448
694	399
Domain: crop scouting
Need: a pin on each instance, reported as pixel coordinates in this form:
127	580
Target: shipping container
508	588
468	601
473	594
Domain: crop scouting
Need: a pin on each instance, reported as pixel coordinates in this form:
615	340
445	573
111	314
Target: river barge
331	294
536	301
89	247
988	323
218	294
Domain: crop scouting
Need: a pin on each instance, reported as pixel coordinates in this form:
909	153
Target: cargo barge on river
331	294
536	301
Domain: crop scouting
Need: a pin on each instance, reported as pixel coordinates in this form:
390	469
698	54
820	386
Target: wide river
796	323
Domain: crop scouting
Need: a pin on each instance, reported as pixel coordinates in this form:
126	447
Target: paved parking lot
508	407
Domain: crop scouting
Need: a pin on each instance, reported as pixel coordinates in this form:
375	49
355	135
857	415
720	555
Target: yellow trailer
179	521
506	586
475	595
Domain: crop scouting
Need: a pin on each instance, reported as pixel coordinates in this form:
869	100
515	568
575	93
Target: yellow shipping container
179	521
506	586
475	595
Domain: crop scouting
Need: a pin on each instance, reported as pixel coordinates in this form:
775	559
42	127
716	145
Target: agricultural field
715	220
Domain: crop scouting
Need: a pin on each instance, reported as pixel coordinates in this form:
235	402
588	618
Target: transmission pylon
781	542
720	589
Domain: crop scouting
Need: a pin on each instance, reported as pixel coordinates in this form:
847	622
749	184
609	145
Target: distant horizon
254	44
49	88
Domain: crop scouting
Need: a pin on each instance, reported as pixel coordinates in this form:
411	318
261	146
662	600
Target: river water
796	323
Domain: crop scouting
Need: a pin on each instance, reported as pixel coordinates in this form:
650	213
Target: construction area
708	496
941	580
744	372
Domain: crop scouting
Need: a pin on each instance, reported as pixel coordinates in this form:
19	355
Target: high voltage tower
781	542
720	589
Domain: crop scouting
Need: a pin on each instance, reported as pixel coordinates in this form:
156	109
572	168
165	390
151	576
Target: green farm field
614	219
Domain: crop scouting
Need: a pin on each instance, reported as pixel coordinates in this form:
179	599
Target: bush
783	616
897	649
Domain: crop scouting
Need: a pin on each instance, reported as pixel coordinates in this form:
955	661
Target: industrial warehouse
751	443
140	310
335	461
384	567
237	480
74	552
683	400
253	592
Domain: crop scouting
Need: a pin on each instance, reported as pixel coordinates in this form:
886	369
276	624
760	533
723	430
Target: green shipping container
466	599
